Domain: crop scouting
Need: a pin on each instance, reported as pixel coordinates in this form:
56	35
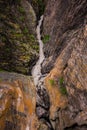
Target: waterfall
36	71
39	78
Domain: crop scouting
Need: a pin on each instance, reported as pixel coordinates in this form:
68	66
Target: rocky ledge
18	103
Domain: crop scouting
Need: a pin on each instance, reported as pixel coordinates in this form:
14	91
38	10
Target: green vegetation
17	40
35	47
61	81
21	18
18	35
46	38
3	38
2	70
63	90
7	50
21	10
51	81
32	37
17	1
25	30
41	6
0	80
62	87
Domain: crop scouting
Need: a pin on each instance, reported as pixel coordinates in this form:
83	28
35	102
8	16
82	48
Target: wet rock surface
43	105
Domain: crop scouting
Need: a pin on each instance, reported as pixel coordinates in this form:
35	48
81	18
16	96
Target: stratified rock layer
18	103
66	23
61	21
65	30
18	44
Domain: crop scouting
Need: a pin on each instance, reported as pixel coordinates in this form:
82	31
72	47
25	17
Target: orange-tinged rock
56	98
19	98
5	102
2	123
17	101
85	31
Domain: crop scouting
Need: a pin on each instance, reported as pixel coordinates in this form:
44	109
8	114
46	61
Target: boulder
18	103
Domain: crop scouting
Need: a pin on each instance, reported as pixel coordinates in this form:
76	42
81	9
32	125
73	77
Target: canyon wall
62	105
66	56
18	44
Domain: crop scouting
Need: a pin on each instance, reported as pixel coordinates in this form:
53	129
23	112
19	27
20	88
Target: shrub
17	1
25	30
21	10
32	37
51	81
35	47
41	6
46	38
61	81
2	70
3	39
63	90
21	18
62	87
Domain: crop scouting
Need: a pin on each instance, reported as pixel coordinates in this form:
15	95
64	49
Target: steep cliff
66	24
39	6
62	21
59	101
18	44
18	103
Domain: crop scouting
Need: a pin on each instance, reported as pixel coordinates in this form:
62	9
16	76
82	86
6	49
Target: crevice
47	121
75	126
39	7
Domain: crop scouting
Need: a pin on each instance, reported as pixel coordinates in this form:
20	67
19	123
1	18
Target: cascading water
36	71
42	103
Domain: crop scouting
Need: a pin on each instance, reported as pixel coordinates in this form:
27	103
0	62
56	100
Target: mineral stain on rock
17	104
58	100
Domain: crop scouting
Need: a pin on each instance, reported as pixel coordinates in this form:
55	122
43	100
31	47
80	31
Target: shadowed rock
66	24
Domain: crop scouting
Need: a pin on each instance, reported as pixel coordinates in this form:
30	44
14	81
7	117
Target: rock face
18	44
63	102
18	103
66	24
61	19
39	6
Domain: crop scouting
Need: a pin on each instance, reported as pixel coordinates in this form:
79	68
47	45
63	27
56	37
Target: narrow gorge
42	102
36	72
43	65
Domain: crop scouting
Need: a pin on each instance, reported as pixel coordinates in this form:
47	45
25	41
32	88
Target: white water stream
36	71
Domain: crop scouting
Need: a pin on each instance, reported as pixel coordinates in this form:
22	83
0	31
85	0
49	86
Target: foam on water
36	71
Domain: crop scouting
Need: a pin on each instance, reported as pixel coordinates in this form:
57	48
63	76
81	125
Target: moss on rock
18	44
